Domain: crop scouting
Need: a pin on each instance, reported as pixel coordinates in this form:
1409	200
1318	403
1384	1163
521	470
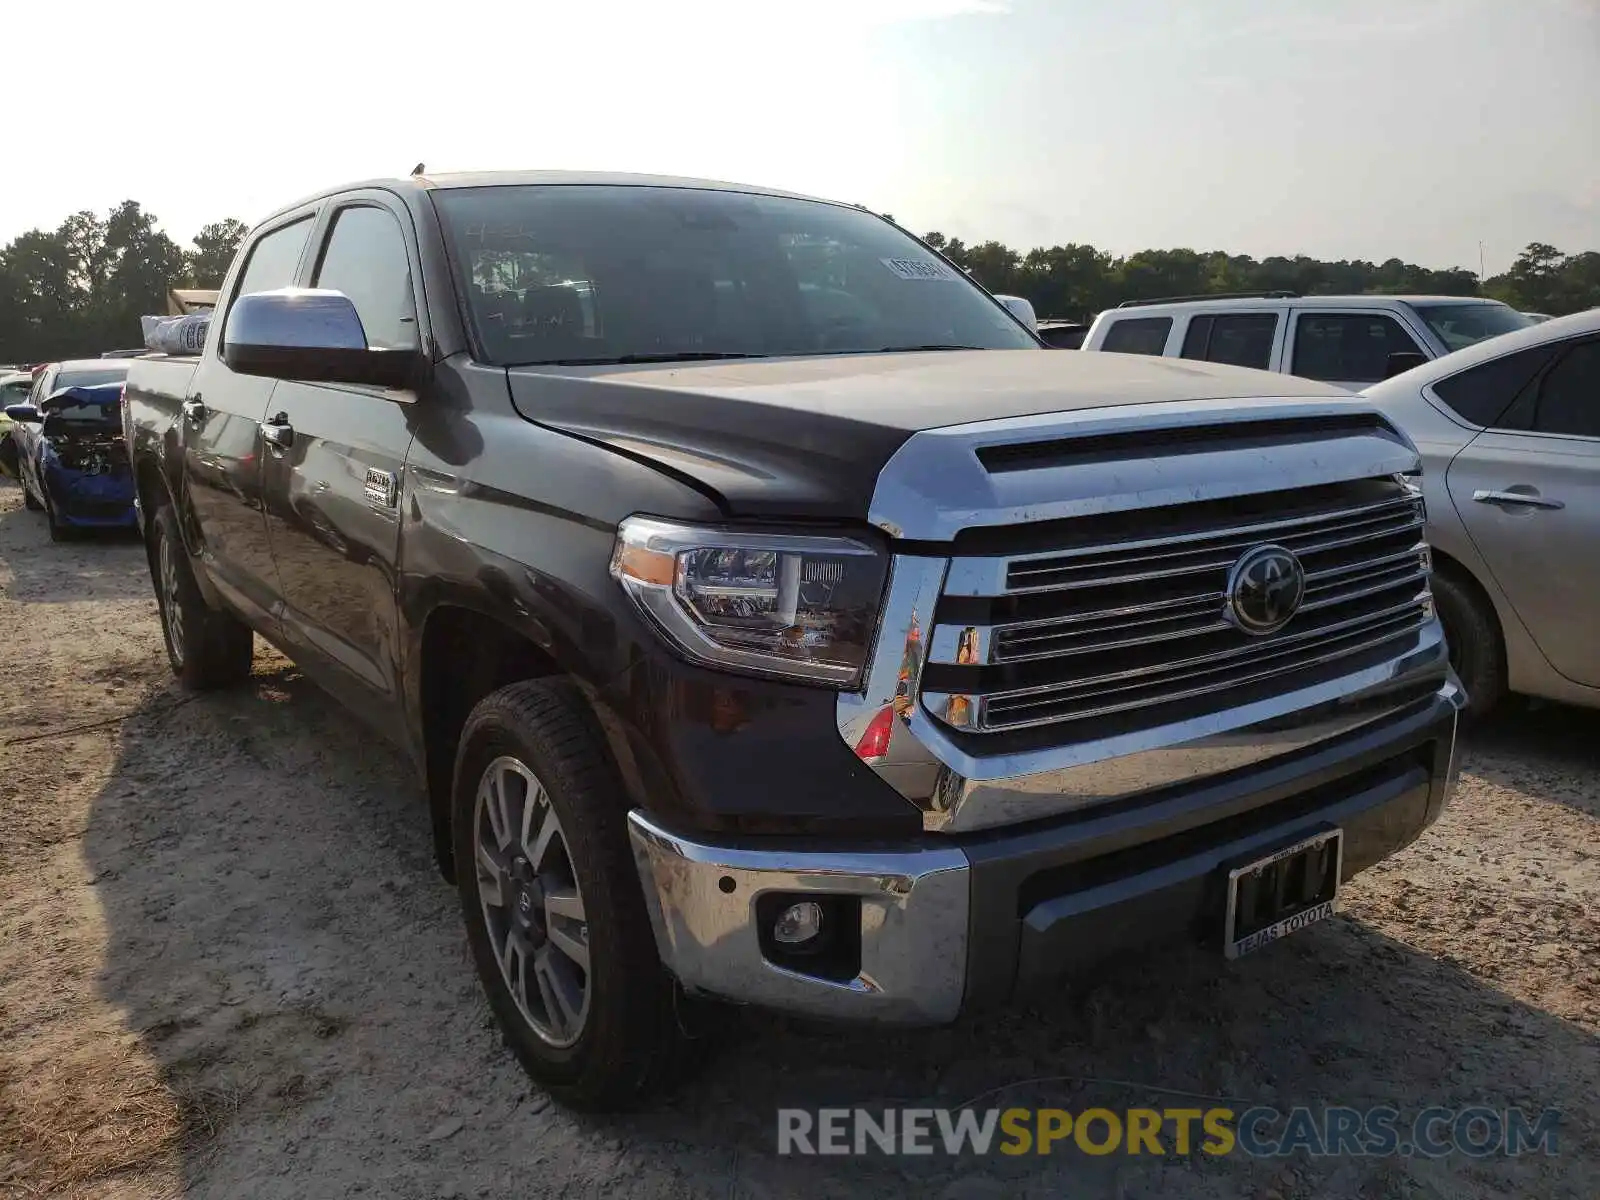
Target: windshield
1459	325
15	391
588	273
90	377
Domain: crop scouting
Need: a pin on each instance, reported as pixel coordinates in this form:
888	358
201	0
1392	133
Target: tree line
1076	281
81	288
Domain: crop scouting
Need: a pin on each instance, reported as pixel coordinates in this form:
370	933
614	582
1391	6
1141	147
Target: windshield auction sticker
918	268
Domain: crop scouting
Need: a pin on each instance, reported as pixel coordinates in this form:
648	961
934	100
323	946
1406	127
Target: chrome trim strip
934	486
914	909
992	576
987	724
1263	648
1006	789
1246	535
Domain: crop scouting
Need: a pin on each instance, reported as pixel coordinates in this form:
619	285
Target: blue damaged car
72	461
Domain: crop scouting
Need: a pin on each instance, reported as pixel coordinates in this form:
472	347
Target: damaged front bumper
97	497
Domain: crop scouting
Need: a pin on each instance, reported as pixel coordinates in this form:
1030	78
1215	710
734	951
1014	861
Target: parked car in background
1062	335
1509	432
1021	308
72	460
1349	341
14	389
845	655
77	372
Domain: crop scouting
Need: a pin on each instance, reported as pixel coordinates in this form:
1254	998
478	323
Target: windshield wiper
630	359
929	346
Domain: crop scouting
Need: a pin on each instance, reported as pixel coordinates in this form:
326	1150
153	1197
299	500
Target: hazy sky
1337	128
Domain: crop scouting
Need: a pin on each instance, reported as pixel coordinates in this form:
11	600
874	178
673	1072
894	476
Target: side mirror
1401	361
22	412
312	335
1021	310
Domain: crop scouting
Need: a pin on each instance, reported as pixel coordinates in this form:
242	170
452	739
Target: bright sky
1340	129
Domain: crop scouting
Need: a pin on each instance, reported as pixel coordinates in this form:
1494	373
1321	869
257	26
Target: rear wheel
552	902
207	648
1477	650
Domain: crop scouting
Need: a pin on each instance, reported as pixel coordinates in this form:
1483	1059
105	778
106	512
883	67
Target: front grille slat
1086	630
1247	673
1144	560
1177	669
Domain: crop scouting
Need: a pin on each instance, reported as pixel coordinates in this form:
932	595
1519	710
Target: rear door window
1238	339
1569	395
1483	394
1348	347
1138	335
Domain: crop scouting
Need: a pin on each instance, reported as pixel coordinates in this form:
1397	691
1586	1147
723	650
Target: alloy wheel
532	905
171	601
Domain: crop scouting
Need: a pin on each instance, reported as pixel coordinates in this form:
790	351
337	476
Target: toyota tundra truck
770	619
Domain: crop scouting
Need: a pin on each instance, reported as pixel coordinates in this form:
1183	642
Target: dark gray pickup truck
770	620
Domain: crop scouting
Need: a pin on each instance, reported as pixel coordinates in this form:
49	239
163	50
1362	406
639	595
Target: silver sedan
1509	431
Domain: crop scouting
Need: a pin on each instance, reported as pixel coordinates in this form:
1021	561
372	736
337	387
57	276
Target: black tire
635	1037
58	531
1477	650
207	648
28	501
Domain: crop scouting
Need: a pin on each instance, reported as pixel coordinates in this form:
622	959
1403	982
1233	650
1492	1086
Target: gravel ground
228	968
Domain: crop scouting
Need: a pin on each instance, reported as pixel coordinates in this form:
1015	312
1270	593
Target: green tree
80	289
214	248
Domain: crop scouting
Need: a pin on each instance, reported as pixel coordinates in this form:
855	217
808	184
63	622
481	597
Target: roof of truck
463	179
473	179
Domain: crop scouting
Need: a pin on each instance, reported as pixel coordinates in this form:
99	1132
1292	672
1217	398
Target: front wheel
551	899
1477	651
58	531
28	500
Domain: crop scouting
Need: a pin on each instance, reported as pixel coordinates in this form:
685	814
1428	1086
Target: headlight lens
765	603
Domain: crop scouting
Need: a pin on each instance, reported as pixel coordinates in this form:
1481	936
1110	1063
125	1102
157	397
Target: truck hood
807	437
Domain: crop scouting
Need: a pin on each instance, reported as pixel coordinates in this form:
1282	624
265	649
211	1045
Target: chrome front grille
1101	627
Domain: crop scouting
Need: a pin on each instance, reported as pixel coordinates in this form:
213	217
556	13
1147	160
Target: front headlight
791	605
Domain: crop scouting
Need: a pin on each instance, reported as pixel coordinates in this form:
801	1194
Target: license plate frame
1284	922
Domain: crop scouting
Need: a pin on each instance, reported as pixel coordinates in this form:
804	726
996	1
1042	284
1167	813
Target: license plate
1282	892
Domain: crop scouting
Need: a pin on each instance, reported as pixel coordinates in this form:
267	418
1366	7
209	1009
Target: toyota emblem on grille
1265	588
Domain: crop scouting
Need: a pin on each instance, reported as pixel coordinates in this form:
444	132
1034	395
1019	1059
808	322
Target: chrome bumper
913	924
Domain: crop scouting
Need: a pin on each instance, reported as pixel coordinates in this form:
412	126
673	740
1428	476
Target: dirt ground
229	969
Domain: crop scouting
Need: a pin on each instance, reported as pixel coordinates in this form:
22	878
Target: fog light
798	925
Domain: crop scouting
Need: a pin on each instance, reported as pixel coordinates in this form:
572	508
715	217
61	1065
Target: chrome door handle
194	409
1489	496
278	432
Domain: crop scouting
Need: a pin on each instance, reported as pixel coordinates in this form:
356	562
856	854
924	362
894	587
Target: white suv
1350	341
